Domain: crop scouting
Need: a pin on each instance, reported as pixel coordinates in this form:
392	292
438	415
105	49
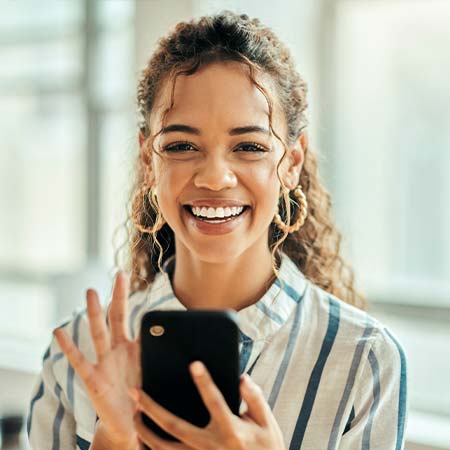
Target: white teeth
216	212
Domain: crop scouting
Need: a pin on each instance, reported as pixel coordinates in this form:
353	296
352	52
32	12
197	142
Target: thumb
257	407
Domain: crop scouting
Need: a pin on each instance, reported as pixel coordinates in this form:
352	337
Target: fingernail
197	368
133	393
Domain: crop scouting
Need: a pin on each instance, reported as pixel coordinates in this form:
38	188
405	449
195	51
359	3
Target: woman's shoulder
351	326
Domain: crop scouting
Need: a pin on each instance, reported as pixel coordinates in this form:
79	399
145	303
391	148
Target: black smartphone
170	341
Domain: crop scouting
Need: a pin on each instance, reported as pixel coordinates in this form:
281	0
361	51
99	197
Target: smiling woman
229	160
223	159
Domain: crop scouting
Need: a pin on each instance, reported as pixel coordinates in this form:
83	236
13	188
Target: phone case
170	341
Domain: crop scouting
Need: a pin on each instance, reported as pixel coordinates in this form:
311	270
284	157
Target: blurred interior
379	96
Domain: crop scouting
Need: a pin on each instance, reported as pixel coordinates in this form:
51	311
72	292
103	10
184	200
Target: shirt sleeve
50	421
380	410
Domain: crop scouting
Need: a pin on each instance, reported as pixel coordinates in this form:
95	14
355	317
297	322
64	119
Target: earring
160	221
301	217
152	196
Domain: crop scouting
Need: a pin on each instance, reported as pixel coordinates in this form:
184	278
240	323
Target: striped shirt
334	376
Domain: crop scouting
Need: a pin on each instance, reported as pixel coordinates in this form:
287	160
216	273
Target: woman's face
213	161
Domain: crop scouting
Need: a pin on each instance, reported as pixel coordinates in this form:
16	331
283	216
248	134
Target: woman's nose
215	174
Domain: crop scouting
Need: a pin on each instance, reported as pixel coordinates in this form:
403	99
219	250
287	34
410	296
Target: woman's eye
252	147
177	147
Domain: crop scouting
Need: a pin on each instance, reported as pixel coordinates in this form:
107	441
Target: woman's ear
146	159
143	148
304	140
296	158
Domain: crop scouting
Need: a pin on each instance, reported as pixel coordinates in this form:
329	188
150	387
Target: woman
228	212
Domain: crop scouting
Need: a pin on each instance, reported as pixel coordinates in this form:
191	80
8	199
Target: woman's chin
215	253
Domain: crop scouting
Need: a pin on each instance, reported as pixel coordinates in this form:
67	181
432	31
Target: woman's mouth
215	219
215	225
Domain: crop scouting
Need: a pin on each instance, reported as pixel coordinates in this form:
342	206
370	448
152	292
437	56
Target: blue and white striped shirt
334	376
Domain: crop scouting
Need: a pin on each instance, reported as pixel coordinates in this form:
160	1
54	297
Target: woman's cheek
265	179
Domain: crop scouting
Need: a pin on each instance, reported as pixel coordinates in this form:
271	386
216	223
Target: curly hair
228	36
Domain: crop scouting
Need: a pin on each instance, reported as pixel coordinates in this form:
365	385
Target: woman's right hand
117	368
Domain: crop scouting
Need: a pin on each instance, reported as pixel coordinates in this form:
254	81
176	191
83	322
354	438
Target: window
43	137
391	153
68	130
388	77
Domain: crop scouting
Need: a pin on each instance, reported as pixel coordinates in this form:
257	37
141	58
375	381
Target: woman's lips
215	228
218	219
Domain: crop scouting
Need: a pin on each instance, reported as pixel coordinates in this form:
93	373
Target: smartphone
170	341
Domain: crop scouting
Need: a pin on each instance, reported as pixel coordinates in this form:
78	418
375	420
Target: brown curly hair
227	36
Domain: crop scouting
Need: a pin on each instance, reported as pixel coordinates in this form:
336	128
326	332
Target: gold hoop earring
160	221
301	217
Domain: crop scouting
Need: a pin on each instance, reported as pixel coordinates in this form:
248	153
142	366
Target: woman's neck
234	284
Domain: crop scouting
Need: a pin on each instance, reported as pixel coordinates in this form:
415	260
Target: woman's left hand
256	429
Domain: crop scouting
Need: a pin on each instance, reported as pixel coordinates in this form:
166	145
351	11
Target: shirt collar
256	322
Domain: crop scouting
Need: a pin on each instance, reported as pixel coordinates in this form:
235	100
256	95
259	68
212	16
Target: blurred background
379	96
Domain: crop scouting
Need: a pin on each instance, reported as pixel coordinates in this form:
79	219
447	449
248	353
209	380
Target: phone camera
156	330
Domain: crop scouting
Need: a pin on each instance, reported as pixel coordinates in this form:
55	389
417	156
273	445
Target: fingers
138	346
257	407
185	431
117	313
77	360
97	324
211	396
138	339
149	438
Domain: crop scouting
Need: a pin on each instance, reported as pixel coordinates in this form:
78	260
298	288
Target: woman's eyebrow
232	131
